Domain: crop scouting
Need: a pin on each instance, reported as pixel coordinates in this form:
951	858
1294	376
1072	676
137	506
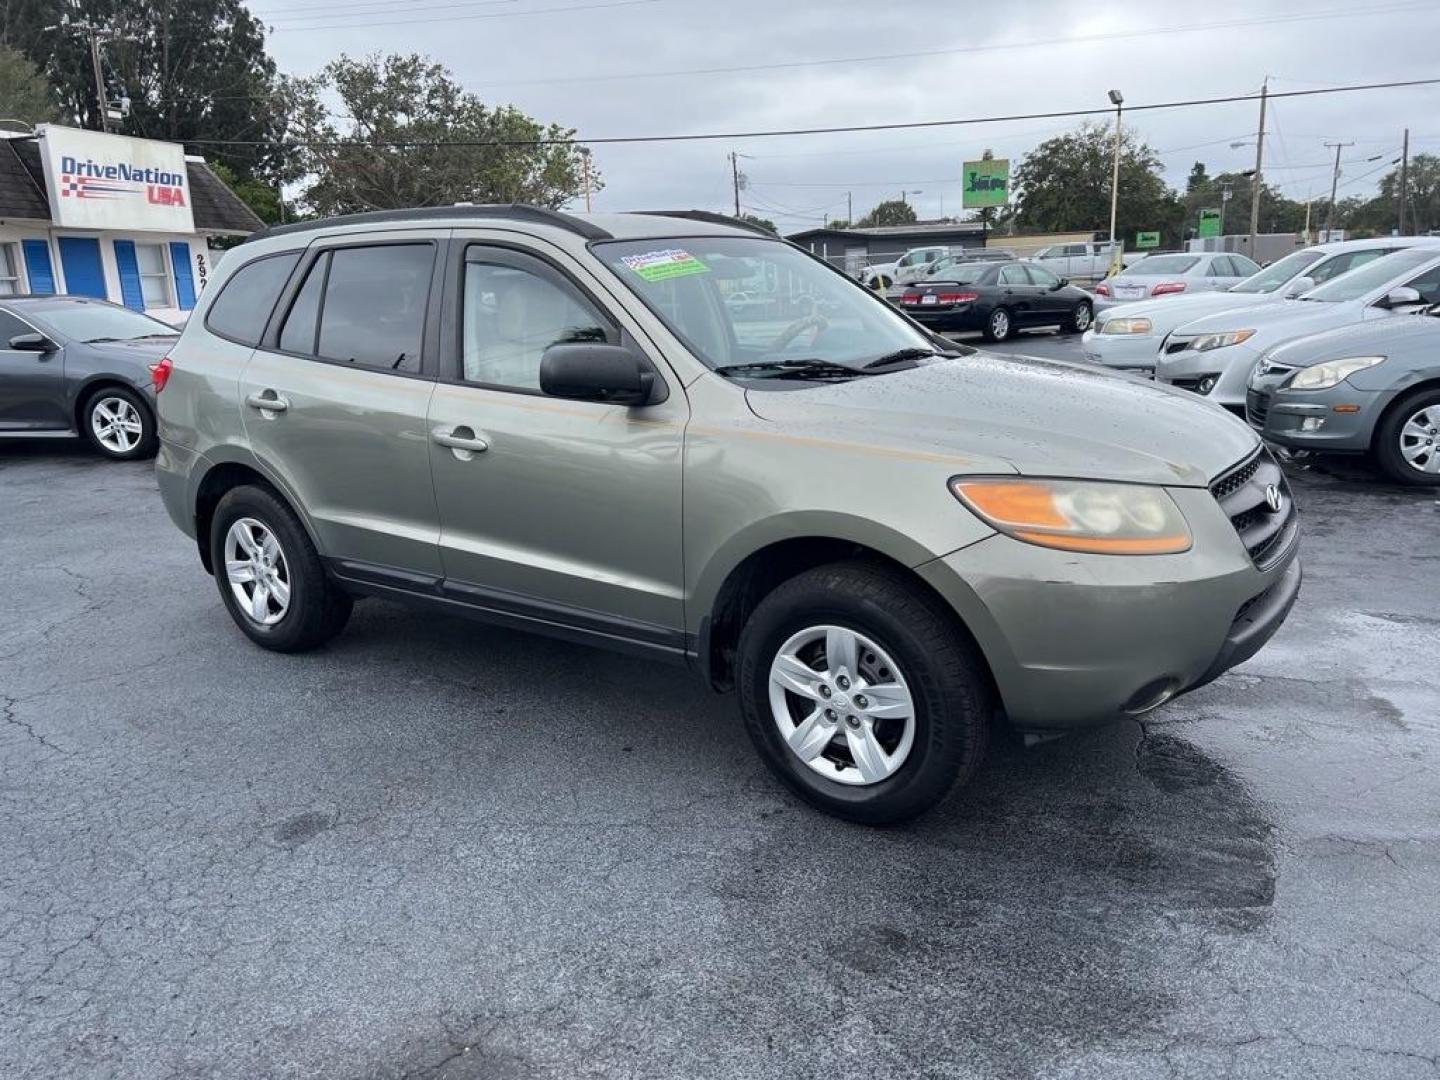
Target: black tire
997	328
1079	319
317	609
104	399
942	669
1386	446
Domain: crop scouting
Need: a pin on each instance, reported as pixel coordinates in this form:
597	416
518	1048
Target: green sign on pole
1209	222
1147	239
985	183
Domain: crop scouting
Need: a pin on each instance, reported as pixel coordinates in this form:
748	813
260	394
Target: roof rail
711	218
512	211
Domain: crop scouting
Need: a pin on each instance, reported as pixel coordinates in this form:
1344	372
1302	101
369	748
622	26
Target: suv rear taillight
956	297
1168	287
160	373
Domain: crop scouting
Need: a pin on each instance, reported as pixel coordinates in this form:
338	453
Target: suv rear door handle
267	401
462	440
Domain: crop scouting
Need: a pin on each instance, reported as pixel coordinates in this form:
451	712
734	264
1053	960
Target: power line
788	132
385	7
1079	39
464	18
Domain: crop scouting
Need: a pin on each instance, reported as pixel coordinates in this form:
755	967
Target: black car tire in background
1079	319
101	410
999	325
1387	444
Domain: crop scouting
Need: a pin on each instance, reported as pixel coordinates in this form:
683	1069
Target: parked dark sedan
998	299
70	365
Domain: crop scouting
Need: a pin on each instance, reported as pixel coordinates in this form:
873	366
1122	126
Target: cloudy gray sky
640	67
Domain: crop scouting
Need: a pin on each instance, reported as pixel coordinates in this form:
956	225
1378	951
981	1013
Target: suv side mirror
31	343
590	371
1401	296
1298	286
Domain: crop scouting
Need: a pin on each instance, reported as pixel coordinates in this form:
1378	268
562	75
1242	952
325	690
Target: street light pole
1118	100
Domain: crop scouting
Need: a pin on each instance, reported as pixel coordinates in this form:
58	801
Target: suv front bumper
1078	640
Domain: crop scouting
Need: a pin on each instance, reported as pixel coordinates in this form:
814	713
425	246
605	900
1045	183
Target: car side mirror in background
1401	296
31	343
591	371
1298	286
1060	284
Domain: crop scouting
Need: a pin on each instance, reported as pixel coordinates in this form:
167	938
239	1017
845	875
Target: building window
154	275
10	283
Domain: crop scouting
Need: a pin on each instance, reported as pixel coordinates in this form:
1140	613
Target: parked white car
1129	335
1171	275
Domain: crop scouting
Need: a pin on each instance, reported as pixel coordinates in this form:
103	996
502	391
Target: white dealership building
122	219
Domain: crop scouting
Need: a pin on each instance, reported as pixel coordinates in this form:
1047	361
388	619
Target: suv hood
1039	417
1378	336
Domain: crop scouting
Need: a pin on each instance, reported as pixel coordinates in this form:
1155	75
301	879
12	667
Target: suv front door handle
267	401
462	441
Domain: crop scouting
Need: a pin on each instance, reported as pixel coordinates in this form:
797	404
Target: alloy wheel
117	424
256	569
1420	440
842	705
1000	325
1082	317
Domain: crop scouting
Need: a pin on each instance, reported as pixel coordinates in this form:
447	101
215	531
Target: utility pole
1404	180
735	179
1256	181
585	174
1334	187
102	99
850	207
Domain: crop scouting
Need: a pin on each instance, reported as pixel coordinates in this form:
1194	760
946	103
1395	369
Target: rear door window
243	307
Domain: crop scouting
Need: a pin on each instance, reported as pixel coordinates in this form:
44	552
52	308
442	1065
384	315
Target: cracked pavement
438	850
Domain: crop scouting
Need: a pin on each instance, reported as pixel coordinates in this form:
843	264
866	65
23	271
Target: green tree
192	69
838	223
1199	178
889	212
1063	185
1277	213
1422	204
25	95
399	131
764	223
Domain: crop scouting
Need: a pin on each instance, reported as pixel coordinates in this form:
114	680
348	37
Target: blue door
80	259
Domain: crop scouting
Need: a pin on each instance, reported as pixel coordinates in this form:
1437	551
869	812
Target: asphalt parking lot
434	849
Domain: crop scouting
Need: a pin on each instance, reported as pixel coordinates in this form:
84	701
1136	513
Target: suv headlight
1331	373
1125	325
1078	515
1206	342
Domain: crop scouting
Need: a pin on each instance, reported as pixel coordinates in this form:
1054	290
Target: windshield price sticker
659	265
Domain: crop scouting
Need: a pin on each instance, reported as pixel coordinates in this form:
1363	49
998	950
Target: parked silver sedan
1172	275
1372	388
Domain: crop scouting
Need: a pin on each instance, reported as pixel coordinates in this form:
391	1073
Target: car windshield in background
1278	273
1164	264
99	322
962	273
764	304
1371	276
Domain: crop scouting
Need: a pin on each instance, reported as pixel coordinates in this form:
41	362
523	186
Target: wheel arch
757	574
224	476
1426	383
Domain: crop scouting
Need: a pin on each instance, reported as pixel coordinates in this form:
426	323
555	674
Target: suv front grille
1242	493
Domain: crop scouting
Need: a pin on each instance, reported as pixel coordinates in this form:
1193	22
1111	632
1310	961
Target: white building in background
122	219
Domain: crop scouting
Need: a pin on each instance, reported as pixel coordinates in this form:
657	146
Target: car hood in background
138	352
1403	333
1297	314
1182	307
1042	417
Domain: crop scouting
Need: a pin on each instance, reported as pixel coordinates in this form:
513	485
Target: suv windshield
1371	276
1278	273
99	322
740	300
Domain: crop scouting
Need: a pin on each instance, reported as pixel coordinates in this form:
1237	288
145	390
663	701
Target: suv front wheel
860	693
270	575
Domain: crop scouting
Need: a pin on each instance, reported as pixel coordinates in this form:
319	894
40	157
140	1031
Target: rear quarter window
243	307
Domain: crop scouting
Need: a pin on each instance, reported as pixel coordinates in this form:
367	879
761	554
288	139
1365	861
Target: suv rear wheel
270	575
860	694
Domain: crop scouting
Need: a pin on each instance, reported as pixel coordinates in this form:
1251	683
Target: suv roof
637	225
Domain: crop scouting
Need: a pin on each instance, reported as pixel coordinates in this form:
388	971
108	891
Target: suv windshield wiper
793	369
900	355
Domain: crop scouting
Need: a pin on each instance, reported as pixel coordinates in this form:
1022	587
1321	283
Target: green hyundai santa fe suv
692	441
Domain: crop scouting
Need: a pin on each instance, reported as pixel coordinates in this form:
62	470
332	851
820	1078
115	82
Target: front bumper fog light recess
1206	384
1078	515
1312	423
